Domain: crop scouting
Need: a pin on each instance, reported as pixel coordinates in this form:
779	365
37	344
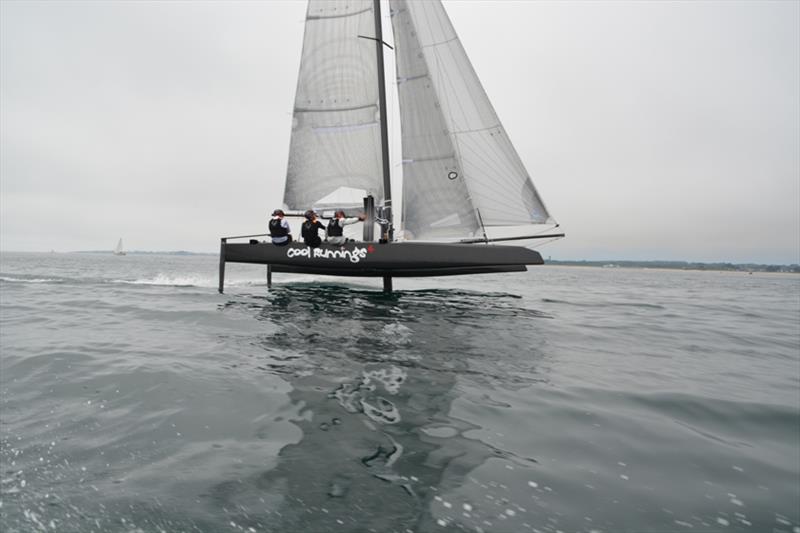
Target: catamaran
463	183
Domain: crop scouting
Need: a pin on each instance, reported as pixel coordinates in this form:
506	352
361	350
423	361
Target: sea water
134	397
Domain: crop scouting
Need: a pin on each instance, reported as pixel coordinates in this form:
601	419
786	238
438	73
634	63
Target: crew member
335	231
279	229
310	229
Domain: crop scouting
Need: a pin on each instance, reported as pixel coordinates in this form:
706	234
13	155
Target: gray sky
653	130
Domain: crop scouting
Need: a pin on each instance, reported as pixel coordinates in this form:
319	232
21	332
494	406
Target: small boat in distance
118	250
464	185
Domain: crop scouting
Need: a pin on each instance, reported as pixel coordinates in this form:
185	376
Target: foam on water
8	279
171	281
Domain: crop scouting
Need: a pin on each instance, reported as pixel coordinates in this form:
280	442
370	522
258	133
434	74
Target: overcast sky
652	130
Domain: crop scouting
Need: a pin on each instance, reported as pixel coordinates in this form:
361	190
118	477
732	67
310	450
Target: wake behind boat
463	182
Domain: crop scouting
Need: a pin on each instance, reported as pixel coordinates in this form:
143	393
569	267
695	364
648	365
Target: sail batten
431	45
333	109
339	15
412	159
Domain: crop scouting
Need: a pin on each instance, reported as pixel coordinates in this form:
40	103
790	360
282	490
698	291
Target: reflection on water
376	375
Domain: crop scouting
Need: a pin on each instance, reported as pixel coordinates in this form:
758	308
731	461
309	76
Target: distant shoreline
682	265
665	265
141	252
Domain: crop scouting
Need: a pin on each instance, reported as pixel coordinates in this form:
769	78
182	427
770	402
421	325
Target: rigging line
477	130
548	241
374	39
550	227
483	228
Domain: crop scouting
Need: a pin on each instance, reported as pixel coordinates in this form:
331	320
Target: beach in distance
134	397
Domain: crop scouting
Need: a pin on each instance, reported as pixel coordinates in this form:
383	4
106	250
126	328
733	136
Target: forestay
336	143
459	168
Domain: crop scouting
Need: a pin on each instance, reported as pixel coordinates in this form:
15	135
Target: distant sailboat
461	175
118	250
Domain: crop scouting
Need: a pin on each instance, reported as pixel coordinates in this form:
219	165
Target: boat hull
398	259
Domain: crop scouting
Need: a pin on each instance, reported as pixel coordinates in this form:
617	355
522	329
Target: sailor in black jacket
279	229
310	229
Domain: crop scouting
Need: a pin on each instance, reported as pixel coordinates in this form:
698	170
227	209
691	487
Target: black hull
399	259
374	259
400	272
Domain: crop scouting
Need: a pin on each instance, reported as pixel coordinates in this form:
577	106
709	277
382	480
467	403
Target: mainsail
460	171
336	141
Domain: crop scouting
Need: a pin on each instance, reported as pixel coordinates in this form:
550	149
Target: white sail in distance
460	171
336	140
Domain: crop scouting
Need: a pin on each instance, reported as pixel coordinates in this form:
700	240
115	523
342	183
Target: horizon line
550	258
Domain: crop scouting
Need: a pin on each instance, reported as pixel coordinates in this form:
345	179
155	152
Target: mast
387	181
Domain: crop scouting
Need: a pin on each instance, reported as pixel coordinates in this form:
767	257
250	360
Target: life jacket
276	229
310	231
334	229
